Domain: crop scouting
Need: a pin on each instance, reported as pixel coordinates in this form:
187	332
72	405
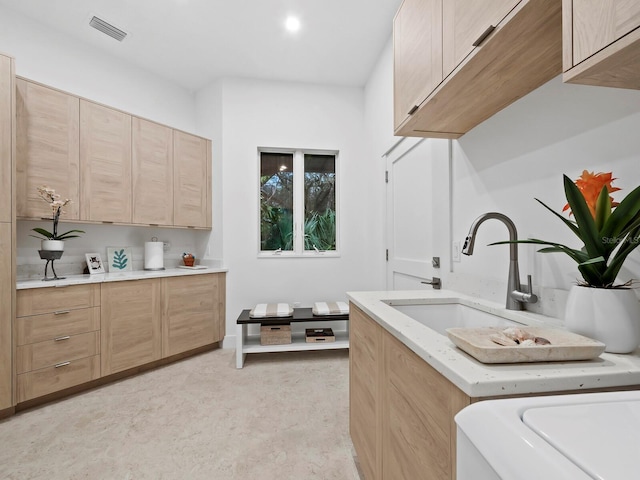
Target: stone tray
565	346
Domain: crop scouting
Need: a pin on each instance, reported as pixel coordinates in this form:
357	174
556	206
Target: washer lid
603	439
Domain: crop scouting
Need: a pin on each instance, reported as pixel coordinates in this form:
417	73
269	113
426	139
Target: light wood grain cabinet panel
52	379
152	173
464	22
523	52
418	415
365	402
7	289
7	137
130	316
35	301
601	42
191	174
39	355
105	164
47	149
38	328
417	50
193	312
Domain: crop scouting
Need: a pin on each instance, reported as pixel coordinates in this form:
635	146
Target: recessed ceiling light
292	24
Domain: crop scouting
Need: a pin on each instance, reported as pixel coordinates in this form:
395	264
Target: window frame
298	204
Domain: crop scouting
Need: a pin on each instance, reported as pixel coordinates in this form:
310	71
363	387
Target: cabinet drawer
51	352
38	328
35	301
48	380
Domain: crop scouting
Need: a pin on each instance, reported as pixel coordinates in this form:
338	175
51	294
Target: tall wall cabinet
7	228
115	167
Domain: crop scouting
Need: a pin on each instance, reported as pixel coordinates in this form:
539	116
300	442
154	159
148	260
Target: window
298	202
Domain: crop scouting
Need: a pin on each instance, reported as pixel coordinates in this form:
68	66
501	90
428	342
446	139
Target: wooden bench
251	344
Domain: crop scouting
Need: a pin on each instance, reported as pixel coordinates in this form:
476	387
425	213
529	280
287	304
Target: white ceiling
193	42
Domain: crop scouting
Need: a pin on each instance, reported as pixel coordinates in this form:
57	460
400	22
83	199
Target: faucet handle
529	284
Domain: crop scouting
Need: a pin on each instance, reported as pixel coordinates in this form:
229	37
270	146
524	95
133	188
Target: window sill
331	254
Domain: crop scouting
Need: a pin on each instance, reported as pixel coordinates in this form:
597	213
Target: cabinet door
152	173
130	324
191	312
191	174
47	149
598	23
105	164
7	286
418	425
464	21
7	138
365	371
417	54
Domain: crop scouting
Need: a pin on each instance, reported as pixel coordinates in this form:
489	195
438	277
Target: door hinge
386	176
387	254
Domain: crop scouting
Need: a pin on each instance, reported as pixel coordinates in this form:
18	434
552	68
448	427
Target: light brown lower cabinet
193	312
401	409
131	324
68	336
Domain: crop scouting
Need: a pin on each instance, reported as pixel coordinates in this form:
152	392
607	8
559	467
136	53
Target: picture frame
94	263
119	259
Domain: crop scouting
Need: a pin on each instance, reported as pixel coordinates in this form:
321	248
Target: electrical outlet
455	251
166	246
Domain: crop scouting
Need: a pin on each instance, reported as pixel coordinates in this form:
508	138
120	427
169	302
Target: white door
412	210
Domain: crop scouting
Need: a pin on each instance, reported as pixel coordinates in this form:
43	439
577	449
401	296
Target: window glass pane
319	202
276	201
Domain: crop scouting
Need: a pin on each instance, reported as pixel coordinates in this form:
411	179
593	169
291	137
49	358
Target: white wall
276	114
518	154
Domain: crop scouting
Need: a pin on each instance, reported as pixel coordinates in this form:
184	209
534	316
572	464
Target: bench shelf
251	343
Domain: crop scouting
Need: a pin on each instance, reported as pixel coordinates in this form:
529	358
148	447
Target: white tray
565	346
195	267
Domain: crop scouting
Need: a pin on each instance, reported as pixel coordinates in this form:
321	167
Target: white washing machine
564	437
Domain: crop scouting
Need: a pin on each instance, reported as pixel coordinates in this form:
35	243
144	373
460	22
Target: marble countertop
477	379
114	277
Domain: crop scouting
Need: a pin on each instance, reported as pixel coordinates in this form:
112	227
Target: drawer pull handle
63	364
59	339
413	110
484	35
62	312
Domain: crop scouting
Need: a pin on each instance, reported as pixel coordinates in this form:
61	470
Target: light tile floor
284	416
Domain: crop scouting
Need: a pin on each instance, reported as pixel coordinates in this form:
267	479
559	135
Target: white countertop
477	379
115	277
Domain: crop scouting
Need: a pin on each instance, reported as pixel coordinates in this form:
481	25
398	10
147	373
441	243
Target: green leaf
67	235
626	213
586	224
48	235
568	223
603	208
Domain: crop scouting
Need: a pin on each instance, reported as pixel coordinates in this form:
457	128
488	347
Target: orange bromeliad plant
609	230
590	185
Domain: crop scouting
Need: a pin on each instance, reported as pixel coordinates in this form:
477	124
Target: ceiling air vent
107	28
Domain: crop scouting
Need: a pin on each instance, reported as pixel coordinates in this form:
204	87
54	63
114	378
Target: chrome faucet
516	297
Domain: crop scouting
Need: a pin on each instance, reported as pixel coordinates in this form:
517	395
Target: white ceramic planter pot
609	315
54	245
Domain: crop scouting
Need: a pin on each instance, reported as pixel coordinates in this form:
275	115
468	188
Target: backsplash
97	238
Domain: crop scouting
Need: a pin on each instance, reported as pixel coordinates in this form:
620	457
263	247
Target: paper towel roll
153	256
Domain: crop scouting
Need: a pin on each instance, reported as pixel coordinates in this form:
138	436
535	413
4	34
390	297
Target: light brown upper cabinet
105	163
192	180
7	137
521	53
417	54
152	173
601	41
465	24
47	149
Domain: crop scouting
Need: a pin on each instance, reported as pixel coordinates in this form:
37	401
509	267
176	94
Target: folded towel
330	308
266	310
